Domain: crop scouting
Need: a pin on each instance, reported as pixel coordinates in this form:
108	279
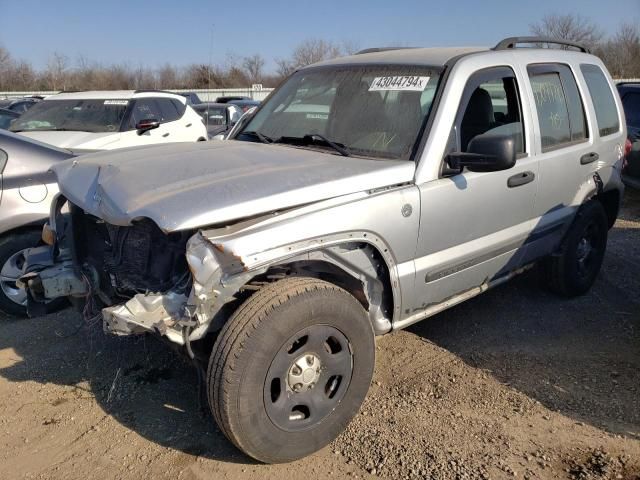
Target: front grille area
131	259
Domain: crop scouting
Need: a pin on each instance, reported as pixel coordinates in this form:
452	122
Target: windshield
371	111
74	115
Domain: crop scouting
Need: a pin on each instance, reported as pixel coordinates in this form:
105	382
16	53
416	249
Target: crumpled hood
188	185
75	140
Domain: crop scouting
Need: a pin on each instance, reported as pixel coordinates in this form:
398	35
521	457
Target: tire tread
230	344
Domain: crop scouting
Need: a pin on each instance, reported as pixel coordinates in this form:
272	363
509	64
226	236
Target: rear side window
181	107
560	109
603	101
168	110
631	104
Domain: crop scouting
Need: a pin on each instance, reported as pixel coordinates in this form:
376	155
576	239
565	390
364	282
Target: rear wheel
13	248
290	369
574	269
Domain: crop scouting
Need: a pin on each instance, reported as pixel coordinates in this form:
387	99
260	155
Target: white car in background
104	120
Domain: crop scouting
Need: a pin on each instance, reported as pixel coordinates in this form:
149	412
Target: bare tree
56	71
202	76
573	27
284	67
253	67
168	77
312	51
350	47
5	67
621	53
5	57
235	77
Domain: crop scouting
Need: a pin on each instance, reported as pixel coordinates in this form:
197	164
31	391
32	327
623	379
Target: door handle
520	179
589	158
165	134
188	125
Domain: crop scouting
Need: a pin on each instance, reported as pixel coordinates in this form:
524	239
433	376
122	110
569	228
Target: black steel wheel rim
588	250
308	377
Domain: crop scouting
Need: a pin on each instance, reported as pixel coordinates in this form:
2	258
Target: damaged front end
136	276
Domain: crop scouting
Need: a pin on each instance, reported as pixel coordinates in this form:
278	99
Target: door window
603	102
144	109
559	106
553	113
491	106
234	114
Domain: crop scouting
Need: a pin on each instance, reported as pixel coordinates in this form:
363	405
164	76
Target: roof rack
511	42
381	49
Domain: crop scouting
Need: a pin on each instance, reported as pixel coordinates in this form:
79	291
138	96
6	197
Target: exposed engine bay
135	276
126	260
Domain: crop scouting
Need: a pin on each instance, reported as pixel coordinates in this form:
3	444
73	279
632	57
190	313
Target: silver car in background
26	189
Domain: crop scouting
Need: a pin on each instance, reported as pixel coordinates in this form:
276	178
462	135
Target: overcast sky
152	33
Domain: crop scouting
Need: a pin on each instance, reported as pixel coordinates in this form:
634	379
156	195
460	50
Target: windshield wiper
260	136
52	130
309	139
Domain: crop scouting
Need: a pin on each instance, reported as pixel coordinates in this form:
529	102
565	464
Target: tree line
61	73
619	51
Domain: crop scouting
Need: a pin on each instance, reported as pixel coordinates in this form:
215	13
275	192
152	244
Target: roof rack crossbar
511	42
381	49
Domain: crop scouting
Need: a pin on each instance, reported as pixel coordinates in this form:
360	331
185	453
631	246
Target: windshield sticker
317	116
116	102
410	83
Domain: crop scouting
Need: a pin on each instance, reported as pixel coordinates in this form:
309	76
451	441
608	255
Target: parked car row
103	120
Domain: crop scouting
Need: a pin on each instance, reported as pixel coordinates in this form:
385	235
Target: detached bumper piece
145	313
44	279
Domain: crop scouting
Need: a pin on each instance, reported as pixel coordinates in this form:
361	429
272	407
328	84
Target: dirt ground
516	383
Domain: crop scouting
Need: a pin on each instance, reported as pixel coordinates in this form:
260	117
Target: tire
11	247
573	270
290	369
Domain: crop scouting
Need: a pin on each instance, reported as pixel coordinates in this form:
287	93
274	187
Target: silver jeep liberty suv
365	194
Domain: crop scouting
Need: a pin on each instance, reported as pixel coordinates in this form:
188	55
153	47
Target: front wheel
291	368
573	270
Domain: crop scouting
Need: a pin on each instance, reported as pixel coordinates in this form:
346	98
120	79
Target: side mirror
486	153
146	125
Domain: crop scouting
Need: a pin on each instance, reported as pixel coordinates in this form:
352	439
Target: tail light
627	151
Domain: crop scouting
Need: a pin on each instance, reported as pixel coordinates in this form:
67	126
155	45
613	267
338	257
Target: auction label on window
116	102
411	83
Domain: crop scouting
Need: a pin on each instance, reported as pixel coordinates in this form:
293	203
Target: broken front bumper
50	272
